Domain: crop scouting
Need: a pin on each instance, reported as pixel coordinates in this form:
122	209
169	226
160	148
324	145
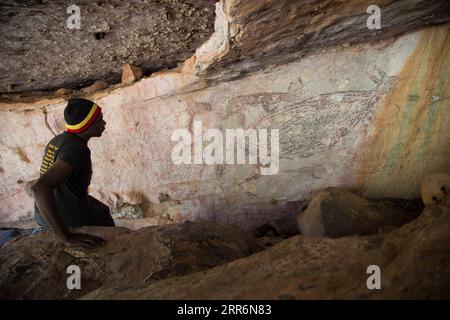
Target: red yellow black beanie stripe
79	114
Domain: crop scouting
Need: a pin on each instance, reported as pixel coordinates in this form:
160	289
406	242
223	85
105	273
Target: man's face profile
97	128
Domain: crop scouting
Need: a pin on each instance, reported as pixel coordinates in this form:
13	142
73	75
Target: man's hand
83	240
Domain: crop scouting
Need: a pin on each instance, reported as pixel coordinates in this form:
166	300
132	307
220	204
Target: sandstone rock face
336	213
347	118
436	189
252	34
96	86
35	267
370	117
131	73
151	34
413	261
63	91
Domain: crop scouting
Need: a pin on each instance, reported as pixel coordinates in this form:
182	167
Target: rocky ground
35	267
210	261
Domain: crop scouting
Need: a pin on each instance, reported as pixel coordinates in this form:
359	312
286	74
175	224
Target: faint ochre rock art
22	155
312	125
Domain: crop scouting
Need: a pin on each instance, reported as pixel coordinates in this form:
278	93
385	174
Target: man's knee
101	215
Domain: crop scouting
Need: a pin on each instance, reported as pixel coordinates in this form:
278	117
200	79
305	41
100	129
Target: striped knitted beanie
79	114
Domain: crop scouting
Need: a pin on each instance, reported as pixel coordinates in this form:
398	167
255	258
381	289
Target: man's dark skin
42	191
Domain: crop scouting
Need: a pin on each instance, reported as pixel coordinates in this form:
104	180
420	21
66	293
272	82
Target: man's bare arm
42	191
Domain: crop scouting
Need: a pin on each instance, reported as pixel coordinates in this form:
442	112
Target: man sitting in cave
61	194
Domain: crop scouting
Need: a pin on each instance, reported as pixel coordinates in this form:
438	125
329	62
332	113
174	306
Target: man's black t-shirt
73	203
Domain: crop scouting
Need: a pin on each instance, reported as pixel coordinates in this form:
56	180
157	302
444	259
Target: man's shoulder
65	140
66	145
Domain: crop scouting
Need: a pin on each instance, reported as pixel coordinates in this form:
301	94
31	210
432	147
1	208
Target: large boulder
35	267
335	213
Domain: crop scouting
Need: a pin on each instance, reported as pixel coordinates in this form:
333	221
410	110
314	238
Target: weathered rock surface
253	34
436	189
39	52
35	267
131	73
157	34
335	213
413	260
371	118
96	86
